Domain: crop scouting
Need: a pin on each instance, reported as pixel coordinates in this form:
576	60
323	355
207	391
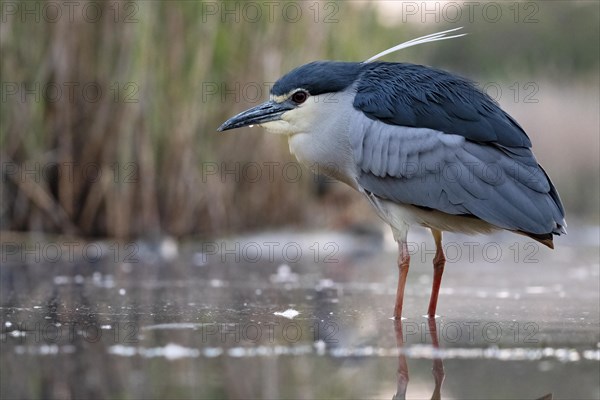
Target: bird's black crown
319	77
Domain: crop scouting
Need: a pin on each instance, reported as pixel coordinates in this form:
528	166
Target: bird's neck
324	147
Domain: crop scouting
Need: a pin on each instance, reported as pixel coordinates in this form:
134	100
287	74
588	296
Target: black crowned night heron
424	146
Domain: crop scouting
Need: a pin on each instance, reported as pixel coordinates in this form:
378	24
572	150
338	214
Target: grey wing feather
428	168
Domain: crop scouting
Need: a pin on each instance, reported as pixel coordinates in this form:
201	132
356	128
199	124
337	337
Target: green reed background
141	155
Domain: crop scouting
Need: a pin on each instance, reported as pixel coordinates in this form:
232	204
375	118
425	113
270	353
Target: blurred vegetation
108	123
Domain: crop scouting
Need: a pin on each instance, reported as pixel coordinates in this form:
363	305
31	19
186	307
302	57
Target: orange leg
403	264
438	269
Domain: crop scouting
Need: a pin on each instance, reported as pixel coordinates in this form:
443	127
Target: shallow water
300	315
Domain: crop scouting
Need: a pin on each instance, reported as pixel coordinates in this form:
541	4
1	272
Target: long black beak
268	111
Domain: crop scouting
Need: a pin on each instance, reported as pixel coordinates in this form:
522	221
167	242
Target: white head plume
433	37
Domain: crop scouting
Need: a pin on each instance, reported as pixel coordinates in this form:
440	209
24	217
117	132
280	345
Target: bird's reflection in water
438	365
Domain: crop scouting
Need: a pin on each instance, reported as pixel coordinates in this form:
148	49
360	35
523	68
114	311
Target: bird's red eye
299	97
